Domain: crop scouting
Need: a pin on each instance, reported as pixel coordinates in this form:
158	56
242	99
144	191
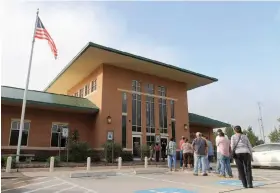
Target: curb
151	171
8	177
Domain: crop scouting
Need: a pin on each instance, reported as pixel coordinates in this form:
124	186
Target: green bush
41	157
4	161
127	156
145	151
78	152
56	161
117	150
94	155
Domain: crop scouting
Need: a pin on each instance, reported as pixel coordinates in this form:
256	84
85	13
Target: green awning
12	94
206	121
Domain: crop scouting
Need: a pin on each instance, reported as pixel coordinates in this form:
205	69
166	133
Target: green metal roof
48	99
201	120
90	44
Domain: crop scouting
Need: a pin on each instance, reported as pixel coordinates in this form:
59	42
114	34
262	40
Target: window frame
162	102
93	85
86	90
150	109
136	98
81	92
58	123
18	120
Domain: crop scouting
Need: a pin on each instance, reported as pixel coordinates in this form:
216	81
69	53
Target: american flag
43	34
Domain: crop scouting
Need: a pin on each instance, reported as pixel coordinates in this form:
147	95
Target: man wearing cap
181	151
218	166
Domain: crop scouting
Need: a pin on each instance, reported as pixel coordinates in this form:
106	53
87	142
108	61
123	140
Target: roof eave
13	100
91	44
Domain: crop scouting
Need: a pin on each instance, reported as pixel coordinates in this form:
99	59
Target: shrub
56	161
41	157
117	150
127	156
4	161
145	151
94	155
78	152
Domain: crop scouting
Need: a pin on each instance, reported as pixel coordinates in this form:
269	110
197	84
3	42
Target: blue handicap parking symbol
238	183
164	190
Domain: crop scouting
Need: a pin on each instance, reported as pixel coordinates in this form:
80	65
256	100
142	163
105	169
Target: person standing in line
171	153
210	154
163	151
151	152
218	165
181	151
187	154
200	151
157	152
242	154
224	146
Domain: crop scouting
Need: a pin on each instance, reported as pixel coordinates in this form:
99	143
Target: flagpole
25	92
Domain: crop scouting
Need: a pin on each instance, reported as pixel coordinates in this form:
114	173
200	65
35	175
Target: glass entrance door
136	142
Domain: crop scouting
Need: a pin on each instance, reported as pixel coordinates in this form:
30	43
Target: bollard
51	164
146	162
119	163
9	164
88	163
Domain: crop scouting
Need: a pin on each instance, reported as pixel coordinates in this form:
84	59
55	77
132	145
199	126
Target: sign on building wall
110	135
65	132
157	138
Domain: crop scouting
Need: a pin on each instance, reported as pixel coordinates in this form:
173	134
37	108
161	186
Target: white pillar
119	163
88	163
9	164
51	164
146	162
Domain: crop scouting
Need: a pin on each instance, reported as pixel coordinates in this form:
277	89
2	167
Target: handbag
233	154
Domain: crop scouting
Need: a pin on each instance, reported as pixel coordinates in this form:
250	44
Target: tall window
173	121
124	117
15	125
162	110
150	110
150	139
136	107
93	85
76	94
86	89
57	139
81	92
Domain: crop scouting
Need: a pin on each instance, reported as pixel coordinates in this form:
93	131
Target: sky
236	42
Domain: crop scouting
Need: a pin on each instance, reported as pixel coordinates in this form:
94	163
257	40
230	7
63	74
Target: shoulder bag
233	154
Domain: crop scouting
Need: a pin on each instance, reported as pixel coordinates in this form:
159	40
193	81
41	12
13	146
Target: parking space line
76	185
36	179
69	188
171	181
32	184
35	190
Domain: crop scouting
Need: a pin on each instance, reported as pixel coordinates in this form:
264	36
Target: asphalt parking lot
125	182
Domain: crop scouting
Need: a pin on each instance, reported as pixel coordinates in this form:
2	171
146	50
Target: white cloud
71	25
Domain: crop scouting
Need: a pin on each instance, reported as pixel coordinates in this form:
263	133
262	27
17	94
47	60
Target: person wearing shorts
187	153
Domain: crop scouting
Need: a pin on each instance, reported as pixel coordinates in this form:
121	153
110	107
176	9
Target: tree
229	132
274	136
254	140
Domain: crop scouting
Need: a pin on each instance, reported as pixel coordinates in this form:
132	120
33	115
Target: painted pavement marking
32	184
171	181
76	185
45	187
164	190
238	183
69	188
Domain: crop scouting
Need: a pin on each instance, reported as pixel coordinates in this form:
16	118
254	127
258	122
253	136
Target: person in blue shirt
210	154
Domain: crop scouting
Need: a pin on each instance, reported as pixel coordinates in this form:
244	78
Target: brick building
104	91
